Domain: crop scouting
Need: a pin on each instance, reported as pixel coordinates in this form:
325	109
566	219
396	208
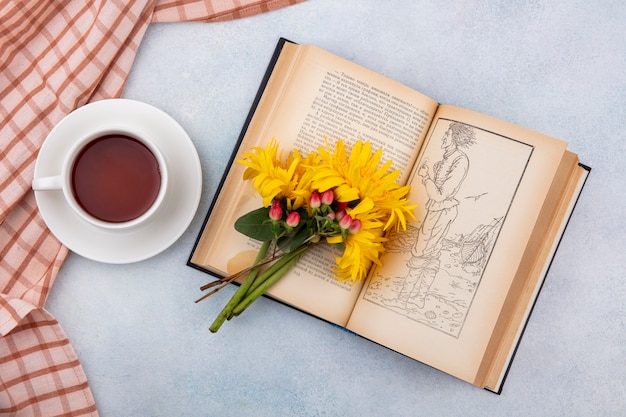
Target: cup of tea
113	179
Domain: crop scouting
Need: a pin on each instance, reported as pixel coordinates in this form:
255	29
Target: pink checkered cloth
54	57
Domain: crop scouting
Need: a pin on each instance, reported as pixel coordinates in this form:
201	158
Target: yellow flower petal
334	239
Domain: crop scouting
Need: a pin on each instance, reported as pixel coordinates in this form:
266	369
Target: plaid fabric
54	57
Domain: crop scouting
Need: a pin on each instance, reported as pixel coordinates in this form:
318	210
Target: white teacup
113	178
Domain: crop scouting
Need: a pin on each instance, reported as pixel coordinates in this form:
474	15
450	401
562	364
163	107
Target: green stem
269	272
285	258
269	278
241	291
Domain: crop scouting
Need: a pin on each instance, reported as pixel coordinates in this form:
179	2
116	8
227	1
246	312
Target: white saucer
173	216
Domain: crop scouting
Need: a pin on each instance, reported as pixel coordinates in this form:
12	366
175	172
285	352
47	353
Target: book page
518	305
311	96
480	184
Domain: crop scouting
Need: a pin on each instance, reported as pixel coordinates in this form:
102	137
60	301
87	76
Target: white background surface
555	67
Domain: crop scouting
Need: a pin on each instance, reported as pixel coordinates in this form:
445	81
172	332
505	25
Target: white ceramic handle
48	183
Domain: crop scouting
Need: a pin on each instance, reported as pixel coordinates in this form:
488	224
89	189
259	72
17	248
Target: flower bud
315	201
293	219
276	212
345	221
341	205
327	197
355	226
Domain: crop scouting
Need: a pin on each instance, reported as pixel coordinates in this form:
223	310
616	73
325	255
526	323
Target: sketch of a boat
476	246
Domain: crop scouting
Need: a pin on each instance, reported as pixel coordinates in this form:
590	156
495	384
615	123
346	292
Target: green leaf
256	225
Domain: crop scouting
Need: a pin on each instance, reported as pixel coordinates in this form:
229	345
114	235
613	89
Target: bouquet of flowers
326	196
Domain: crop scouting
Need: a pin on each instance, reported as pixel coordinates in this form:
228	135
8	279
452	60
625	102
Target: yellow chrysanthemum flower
361	250
275	177
361	176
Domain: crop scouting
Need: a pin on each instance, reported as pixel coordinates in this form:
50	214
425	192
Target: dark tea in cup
115	178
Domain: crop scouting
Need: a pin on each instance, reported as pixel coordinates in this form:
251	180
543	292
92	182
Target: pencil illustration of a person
441	210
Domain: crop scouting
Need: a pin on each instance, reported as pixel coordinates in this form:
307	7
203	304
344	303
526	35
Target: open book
455	290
